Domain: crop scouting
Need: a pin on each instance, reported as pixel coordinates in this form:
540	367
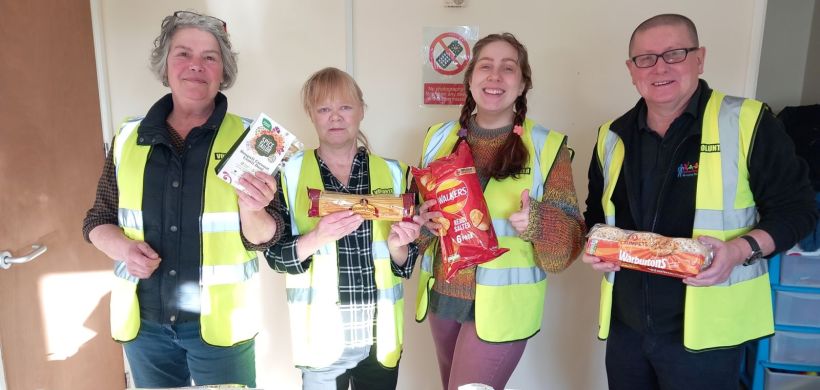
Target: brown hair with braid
513	155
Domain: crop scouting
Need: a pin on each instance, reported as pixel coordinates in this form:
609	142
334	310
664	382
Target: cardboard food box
265	146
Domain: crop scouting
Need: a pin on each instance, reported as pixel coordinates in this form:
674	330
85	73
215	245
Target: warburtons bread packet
265	146
648	252
467	235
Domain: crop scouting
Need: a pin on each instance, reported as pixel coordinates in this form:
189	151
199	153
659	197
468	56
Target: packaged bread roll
648	252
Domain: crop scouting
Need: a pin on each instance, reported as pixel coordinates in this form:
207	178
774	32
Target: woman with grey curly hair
183	241
185	19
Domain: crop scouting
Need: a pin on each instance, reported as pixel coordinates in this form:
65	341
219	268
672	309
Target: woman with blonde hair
345	294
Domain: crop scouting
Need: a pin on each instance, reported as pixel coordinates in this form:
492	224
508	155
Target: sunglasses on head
189	14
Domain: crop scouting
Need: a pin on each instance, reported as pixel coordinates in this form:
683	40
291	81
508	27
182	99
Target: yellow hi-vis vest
739	309
316	325
227	285
510	290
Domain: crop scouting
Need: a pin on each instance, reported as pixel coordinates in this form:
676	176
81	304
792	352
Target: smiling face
496	80
337	119
194	66
666	86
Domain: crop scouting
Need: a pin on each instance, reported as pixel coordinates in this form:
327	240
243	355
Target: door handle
6	260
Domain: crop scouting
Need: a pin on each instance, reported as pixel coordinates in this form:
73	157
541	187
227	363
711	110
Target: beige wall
784	53
811	83
577	51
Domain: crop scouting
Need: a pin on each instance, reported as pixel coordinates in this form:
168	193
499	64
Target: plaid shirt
357	285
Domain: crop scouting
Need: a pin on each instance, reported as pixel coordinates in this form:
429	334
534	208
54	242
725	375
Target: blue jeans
175	355
638	361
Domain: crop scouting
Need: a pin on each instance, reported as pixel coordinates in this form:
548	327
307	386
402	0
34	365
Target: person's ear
631	68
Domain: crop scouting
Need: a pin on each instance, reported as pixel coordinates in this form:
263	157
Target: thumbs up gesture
521	218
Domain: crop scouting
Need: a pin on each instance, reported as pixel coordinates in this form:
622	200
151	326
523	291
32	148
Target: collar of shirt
358	183
692	111
153	128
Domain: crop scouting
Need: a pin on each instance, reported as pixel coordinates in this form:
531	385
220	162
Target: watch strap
756	252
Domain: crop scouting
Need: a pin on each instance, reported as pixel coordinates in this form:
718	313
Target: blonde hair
329	83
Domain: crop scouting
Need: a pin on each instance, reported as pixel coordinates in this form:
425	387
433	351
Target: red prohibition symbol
447	60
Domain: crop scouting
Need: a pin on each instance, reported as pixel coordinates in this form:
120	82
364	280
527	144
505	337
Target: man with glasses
689	161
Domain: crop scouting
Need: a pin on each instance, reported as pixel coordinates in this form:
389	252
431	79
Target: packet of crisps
467	235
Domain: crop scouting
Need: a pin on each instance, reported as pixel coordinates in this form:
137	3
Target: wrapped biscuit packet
648	252
467	235
385	207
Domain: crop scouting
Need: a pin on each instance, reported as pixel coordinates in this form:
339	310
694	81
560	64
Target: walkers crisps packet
648	252
467	235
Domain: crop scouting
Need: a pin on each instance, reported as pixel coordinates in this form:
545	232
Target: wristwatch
756	254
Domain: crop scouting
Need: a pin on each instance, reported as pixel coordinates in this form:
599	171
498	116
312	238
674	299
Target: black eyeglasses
670	57
189	14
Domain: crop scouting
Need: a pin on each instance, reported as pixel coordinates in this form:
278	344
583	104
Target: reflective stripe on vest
124	303
738	309
734	213
228	312
130	219
220	222
316	321
513	275
213	275
609	144
121	272
509	276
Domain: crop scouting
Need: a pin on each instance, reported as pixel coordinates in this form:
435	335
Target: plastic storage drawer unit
785	380
800	271
795	348
796	308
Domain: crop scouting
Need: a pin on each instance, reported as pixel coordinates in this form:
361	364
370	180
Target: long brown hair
513	155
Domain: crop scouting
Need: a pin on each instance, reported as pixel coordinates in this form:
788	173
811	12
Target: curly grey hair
179	20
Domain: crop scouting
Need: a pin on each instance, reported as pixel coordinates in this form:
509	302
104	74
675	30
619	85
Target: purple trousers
463	358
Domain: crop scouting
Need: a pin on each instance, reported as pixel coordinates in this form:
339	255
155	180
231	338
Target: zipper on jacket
661	193
647	312
658	207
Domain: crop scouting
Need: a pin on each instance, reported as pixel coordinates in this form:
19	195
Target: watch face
755	256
